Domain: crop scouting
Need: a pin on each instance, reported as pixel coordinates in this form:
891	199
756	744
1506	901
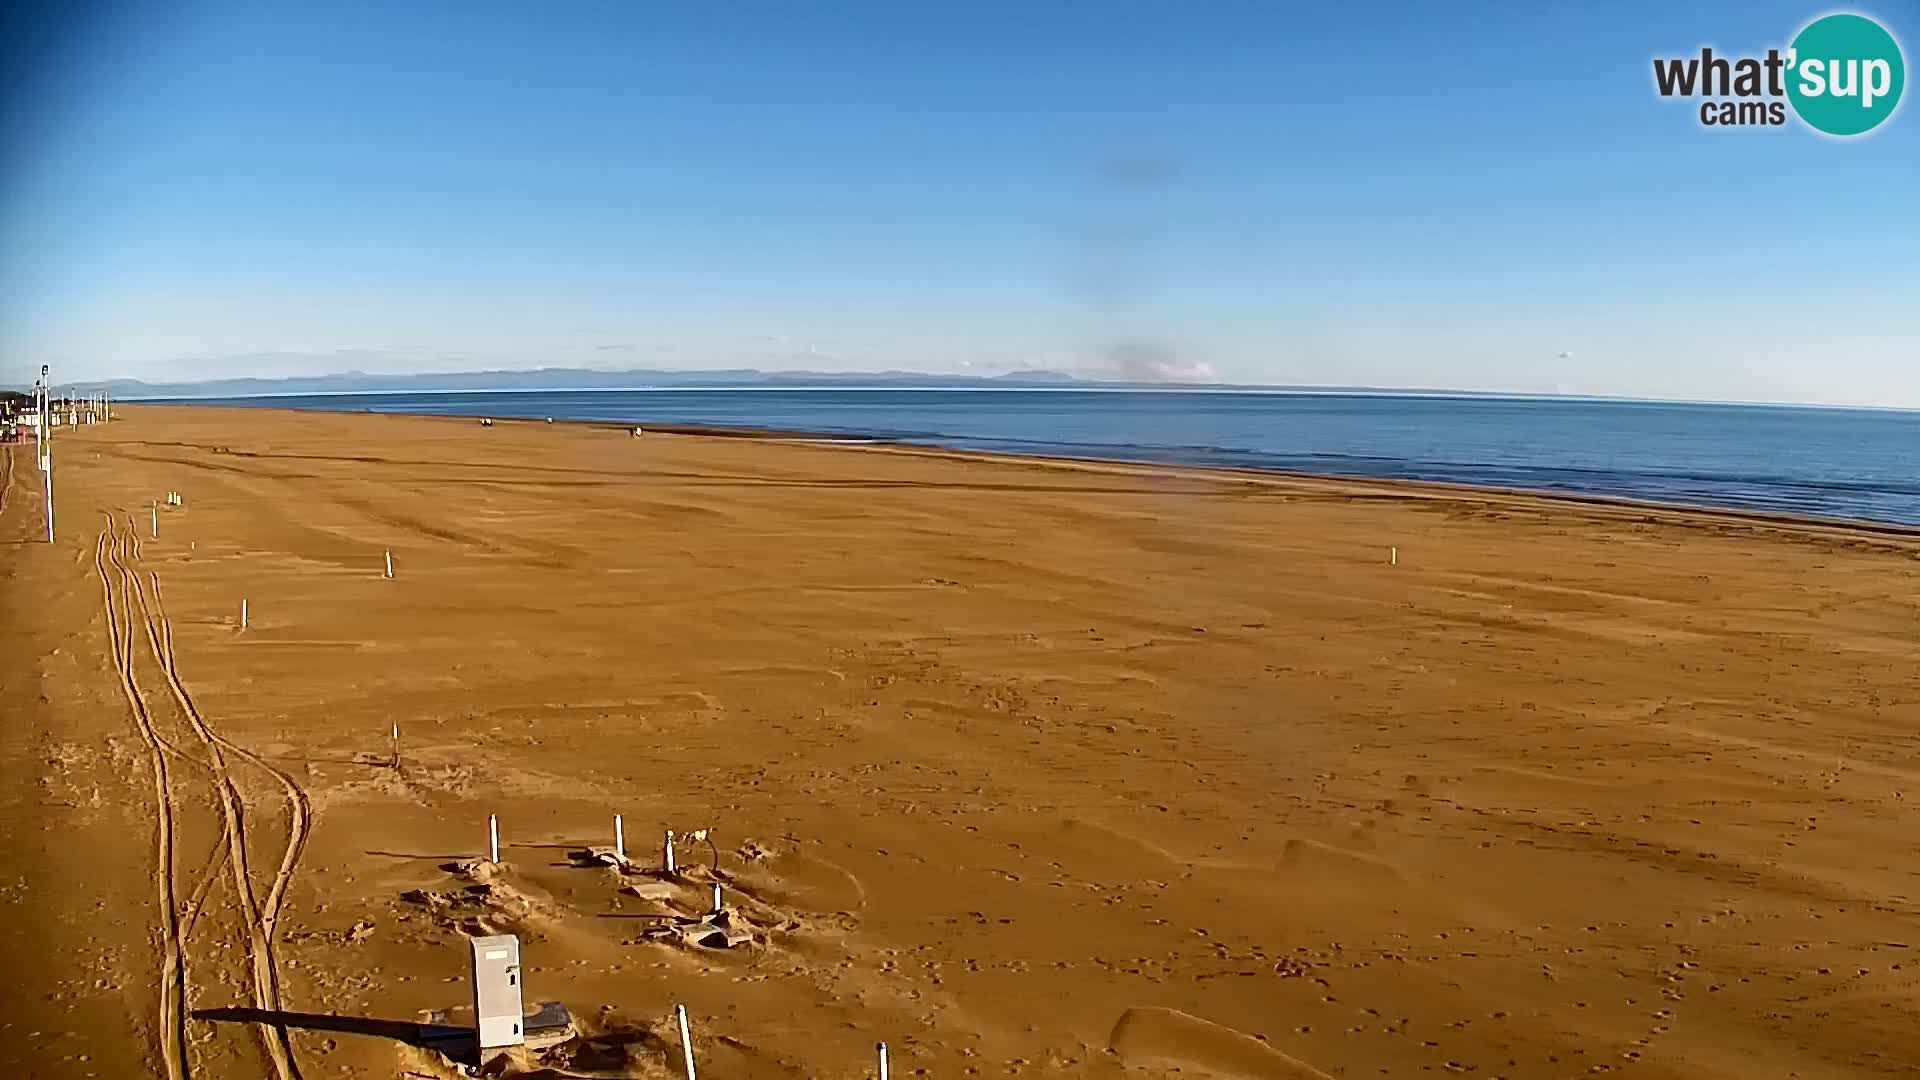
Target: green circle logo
1845	74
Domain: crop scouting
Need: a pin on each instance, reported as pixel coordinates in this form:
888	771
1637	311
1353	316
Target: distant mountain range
359	382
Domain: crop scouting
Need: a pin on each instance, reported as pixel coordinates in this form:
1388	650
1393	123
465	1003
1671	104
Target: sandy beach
1024	768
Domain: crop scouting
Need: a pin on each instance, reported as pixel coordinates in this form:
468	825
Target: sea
1855	464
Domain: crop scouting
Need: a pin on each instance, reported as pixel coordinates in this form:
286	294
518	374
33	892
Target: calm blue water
1827	462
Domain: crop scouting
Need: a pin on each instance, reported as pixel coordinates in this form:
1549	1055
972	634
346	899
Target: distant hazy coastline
1839	464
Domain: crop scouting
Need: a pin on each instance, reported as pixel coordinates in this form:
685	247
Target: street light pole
46	420
45	450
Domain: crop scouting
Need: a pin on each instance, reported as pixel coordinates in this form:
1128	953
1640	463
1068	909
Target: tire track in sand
299	807
173	1028
258	919
209	872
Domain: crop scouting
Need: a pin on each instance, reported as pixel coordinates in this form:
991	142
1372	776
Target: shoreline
1388	487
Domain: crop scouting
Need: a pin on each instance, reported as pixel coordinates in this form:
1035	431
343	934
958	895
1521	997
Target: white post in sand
46	485
1393	556
883	1061
396	746
686	1039
668	860
717	909
243	613
493	838
619	840
389	563
155	511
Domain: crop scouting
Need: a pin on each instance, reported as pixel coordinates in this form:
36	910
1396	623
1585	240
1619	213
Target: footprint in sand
1160	1039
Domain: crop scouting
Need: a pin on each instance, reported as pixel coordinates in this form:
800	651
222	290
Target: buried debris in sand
598	856
713	930
484	906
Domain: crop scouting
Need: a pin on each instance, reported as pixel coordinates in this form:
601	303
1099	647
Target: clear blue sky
1487	196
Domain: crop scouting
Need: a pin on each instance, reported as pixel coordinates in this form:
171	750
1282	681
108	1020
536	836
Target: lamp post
45	451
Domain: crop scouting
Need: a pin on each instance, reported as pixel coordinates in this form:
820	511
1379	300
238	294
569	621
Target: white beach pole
243	613
396	746
155	511
619	839
46	483
668	860
1393	556
493	838
717	909
389	563
883	1061
686	1039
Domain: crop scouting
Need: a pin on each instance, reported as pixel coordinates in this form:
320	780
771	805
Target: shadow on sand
458	1043
617	1051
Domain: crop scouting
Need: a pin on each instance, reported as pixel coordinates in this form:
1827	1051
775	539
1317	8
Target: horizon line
1093	388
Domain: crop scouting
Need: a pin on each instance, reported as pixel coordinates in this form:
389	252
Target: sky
1476	196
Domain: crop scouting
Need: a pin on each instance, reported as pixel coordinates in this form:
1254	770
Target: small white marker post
155	511
668	860
619	840
1393	556
686	1039
717	909
883	1061
389	564
493	838
243	614
396	747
